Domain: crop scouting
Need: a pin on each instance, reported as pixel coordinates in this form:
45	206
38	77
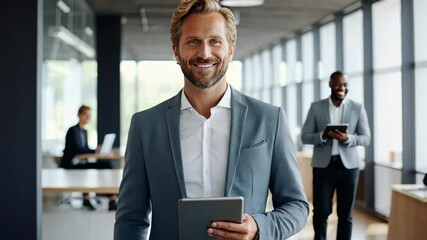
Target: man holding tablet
335	126
209	141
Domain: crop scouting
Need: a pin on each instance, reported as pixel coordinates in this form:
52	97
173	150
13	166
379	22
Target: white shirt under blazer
204	147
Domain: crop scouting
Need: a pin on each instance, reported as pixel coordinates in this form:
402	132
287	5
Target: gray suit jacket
261	157
318	117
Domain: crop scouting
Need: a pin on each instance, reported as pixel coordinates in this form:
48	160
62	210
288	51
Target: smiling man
335	159
209	141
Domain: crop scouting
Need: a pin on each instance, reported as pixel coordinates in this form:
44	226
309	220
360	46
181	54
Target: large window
291	110
421	119
353	54
353	42
291	88
355	88
67	84
386	29
248	76
420	37
420	30
291	61
257	83
387	82
327	56
267	76
388	118
129	92
307	56
353	58
277	64
69	76
307	72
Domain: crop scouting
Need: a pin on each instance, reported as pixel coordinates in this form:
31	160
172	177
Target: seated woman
75	144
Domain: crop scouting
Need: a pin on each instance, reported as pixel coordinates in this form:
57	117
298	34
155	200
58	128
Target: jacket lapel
325	104
238	120
345	112
172	120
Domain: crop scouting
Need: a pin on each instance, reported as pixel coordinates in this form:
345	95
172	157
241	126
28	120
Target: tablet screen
333	127
196	215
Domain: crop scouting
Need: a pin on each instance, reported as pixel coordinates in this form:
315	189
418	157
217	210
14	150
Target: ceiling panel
259	26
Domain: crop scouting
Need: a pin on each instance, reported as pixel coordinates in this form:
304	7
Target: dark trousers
325	181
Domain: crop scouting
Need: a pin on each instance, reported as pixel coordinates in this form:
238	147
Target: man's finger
338	132
224	234
229	226
333	134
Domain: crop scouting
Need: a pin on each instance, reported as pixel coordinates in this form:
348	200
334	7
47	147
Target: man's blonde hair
188	7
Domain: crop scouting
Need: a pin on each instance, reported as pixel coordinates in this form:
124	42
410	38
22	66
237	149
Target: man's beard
202	83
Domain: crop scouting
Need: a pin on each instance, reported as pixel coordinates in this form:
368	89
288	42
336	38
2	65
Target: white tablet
196	215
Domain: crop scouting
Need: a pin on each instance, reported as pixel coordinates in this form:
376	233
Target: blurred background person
335	159
76	142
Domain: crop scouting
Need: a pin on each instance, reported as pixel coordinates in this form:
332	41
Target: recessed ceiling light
63	6
242	3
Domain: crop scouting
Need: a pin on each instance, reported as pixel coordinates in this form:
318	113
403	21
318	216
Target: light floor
365	227
68	222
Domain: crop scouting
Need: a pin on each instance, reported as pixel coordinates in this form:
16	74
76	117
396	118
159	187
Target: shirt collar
225	101
342	103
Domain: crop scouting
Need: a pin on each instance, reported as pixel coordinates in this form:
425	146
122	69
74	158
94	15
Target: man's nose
204	51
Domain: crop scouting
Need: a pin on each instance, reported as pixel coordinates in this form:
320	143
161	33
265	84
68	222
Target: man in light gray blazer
244	144
335	159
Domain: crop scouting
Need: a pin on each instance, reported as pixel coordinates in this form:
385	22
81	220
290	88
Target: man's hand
247	230
339	136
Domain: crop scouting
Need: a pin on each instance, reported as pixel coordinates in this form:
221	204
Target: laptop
107	144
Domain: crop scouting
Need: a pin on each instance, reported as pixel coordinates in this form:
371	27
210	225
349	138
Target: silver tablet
196	214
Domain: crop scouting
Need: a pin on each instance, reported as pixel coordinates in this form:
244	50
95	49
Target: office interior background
116	57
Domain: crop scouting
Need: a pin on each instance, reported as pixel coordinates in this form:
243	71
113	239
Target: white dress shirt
204	147
335	114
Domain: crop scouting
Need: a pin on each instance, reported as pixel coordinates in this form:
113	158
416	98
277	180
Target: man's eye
192	42
215	41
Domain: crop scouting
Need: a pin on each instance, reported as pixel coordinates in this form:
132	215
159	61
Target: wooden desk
97	156
304	162
408	215
88	180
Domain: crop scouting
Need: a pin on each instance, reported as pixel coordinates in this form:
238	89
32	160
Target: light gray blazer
358	127
261	157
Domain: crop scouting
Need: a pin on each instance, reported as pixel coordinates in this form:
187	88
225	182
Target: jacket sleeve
134	206
74	136
363	132
309	133
290	204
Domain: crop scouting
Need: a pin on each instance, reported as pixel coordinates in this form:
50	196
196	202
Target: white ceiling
259	26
